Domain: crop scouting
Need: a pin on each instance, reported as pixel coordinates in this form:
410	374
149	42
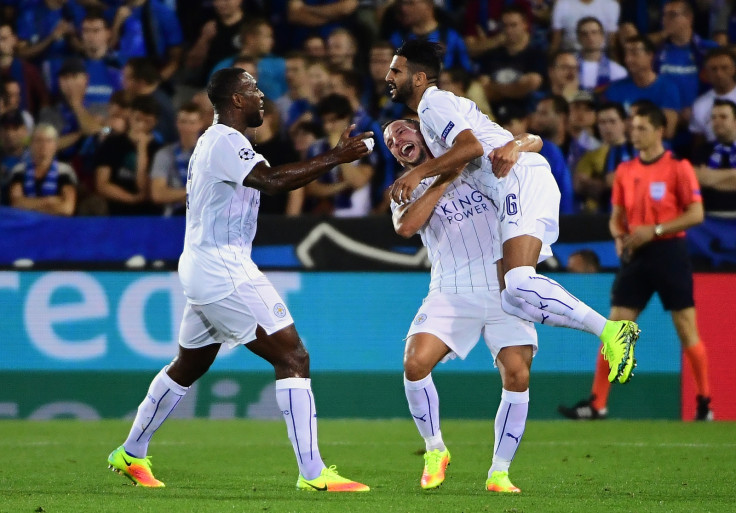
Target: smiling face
399	80
405	143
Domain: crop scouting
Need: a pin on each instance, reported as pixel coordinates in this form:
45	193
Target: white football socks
424	405
549	296
509	428
163	396
296	402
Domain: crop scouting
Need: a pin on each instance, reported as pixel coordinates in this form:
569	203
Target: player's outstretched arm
409	218
286	177
465	148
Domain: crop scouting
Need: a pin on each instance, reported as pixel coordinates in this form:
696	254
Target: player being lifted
463	303
460	136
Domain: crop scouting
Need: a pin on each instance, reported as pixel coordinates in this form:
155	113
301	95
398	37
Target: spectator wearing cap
141	78
40	182
596	70
594	173
14	141
514	119
148	28
720	71
123	162
33	93
103	65
643	83
581	128
514	70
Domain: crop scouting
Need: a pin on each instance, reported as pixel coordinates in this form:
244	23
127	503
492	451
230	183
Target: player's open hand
353	148
402	188
503	158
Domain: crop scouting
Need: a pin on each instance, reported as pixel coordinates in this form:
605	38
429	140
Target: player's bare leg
422	352
514	364
290	359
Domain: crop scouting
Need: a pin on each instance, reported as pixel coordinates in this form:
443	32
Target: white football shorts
459	320
529	201
233	320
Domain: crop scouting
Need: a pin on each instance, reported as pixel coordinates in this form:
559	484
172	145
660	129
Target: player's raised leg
514	363
290	360
422	352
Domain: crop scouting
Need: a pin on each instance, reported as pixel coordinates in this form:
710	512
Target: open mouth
407	149
391	88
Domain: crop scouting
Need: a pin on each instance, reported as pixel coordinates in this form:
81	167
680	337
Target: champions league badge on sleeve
246	154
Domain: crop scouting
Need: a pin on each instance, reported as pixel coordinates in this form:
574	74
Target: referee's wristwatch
658	230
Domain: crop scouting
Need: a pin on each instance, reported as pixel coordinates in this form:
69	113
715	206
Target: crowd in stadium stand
102	101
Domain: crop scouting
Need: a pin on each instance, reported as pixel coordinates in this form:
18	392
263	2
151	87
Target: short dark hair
352	79
685	4
654	114
620	110
144	69
515	9
95	14
588	19
223	84
722	102
120	99
640	104
251	24
412	122
336	104
423	57
648	45
459	75
557	55
589	256
720	51
146	104
559	103
190	108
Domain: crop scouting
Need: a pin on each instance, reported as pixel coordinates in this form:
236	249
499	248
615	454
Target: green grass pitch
248	466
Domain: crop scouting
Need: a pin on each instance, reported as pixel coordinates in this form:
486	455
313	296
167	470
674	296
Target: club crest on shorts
279	310
419	319
246	154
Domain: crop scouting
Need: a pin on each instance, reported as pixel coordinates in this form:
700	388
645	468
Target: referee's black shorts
661	266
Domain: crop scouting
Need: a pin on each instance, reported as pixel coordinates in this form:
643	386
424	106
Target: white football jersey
221	216
462	239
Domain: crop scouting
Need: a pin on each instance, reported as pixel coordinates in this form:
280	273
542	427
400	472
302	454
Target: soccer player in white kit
456	224
229	300
519	184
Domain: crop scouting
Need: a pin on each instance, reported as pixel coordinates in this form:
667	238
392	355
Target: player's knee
296	360
516	379
519	280
416	368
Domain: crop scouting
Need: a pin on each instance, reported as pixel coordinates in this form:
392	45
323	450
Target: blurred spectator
304	134
148	28
347	83
564	79
543	122
345	190
247	63
515	69
219	39
317	16
201	100
41	183
581	128
14	141
594	173
380	105
257	42
318	77
341	49
419	21
141	78
314	47
583	261
33	92
10	95
269	142
682	52
46	33
723	22
720	71
481	29
298	98
644	84
459	82
715	167
103	66
123	162
567	13
596	69
171	163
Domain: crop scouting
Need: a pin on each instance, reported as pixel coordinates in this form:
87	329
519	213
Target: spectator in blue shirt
420	21
682	53
103	67
148	28
643	83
